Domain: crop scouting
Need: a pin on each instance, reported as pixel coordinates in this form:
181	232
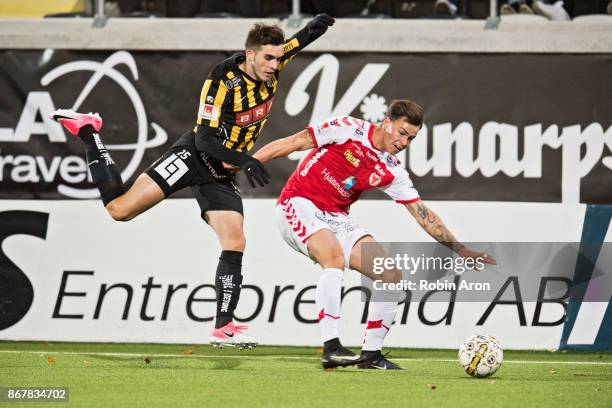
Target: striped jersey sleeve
212	101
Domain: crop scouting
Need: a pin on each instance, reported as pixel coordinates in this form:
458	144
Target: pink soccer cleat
232	336
74	121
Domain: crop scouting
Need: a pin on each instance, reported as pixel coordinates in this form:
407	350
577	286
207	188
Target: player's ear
250	54
387	126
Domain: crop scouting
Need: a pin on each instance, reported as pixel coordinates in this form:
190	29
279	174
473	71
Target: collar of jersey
238	59
379	153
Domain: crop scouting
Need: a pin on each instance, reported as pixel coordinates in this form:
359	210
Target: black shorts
182	166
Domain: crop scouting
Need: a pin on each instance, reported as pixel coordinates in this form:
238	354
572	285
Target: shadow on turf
226	364
163	362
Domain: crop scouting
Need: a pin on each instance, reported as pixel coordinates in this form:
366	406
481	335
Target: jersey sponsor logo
212	165
380	170
392	161
294	43
208	112
358	150
375	179
173	168
331	221
348	155
256	114
327	176
349	182
312	161
371	156
328	124
336	222
233	83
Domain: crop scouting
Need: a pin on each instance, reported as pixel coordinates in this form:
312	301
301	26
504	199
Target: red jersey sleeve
336	130
401	188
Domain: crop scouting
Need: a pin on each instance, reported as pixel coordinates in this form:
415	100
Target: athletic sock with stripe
327	299
380	319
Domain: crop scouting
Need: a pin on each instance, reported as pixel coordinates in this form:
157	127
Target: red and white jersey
344	164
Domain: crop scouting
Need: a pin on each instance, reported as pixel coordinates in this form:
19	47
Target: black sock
103	170
228	283
331	345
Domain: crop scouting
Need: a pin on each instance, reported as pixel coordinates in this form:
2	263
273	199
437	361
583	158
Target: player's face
398	134
264	61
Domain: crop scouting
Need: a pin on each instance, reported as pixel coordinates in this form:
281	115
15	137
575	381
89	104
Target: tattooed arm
433	225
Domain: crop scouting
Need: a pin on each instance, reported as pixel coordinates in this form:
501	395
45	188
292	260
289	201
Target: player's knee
118	213
235	243
334	260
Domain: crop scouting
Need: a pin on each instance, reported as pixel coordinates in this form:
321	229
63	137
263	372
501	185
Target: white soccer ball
481	355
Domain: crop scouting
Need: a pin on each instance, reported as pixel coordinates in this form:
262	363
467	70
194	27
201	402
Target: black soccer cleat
376	360
340	357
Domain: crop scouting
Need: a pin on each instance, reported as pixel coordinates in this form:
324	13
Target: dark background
519	90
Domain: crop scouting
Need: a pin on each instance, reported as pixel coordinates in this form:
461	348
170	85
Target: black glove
318	25
255	171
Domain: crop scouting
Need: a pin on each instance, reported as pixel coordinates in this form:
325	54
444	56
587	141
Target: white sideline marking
278	357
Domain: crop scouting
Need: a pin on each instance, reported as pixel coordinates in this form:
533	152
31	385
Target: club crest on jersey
349	182
208	112
348	155
375	179
210	99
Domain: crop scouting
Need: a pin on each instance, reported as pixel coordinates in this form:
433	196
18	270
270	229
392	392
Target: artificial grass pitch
144	375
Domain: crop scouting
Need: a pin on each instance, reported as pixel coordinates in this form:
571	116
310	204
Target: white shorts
298	218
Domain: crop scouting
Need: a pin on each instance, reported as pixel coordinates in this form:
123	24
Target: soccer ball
481	355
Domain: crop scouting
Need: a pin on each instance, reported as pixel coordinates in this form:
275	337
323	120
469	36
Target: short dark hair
264	34
403	108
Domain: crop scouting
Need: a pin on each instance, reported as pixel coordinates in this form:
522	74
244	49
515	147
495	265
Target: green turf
180	375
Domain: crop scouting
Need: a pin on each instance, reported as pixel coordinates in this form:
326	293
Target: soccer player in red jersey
350	156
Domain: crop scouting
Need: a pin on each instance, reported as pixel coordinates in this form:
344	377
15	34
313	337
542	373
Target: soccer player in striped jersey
350	156
234	105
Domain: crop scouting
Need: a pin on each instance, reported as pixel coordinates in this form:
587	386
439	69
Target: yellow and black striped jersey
236	105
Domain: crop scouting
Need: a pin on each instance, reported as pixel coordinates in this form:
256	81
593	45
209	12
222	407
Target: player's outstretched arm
433	225
313	30
285	146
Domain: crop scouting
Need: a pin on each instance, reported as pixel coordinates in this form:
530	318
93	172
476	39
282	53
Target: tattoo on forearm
436	228
422	211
